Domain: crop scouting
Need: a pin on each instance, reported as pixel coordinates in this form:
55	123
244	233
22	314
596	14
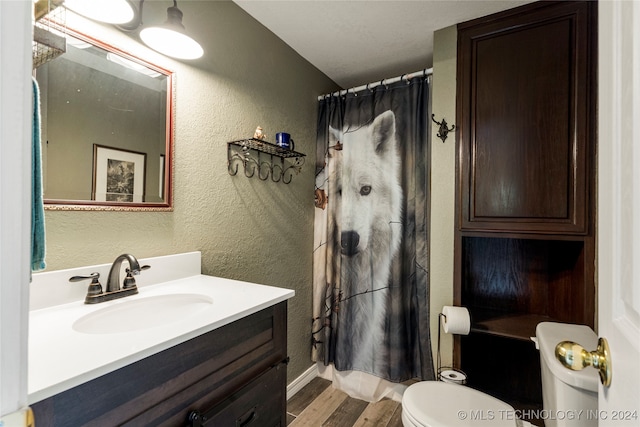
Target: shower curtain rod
425	72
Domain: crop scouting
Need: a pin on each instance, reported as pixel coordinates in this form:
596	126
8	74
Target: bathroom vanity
222	361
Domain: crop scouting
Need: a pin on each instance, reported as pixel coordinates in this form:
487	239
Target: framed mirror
106	129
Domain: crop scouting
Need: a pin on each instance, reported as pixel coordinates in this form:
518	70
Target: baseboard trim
297	384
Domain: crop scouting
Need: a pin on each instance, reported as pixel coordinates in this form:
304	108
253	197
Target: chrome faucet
113	291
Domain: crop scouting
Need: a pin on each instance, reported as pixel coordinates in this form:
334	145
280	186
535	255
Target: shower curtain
371	284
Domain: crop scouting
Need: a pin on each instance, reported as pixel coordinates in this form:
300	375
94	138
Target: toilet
569	397
564	390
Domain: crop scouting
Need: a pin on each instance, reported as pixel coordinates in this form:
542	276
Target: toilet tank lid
549	334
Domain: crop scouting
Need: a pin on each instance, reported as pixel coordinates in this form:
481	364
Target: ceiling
355	42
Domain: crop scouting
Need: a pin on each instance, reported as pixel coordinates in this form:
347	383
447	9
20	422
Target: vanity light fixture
109	11
170	38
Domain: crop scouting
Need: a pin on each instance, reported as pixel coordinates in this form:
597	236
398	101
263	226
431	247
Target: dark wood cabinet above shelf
526	82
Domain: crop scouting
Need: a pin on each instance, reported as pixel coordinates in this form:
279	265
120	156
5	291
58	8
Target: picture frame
118	175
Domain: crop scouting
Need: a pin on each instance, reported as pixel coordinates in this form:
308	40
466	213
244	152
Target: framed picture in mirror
118	175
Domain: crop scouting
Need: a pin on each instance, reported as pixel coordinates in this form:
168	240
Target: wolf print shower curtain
371	284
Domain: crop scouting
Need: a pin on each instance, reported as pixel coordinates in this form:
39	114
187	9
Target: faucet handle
137	271
129	281
95	288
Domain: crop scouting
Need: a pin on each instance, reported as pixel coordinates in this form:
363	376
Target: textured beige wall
247	229
443	184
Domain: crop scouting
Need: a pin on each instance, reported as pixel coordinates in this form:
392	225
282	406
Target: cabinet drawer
259	403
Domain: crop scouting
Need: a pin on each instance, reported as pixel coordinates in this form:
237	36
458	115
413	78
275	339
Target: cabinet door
525	116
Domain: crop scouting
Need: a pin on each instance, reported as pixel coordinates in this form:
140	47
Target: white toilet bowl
440	404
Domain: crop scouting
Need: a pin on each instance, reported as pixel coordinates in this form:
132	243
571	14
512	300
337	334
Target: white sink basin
142	313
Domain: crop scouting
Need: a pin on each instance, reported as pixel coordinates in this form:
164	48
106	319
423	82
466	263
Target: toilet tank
569	398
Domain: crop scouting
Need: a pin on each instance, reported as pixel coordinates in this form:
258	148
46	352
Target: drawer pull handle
247	418
196	419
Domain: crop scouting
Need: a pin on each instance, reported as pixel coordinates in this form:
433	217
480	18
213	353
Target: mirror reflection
106	128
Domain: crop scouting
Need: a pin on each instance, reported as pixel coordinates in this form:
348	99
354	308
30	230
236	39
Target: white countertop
61	358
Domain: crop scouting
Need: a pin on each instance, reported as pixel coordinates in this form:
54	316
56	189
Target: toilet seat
440	404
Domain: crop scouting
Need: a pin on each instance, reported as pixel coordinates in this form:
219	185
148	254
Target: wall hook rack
265	158
444	128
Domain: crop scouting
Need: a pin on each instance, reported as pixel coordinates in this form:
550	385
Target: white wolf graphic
365	199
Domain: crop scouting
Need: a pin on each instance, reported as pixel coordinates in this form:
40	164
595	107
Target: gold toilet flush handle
575	357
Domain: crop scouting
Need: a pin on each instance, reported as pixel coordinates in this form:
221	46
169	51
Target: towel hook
444	128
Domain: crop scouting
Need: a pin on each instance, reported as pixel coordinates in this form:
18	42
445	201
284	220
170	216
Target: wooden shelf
519	326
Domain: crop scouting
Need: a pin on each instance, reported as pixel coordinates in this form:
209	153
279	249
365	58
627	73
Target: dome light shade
171	43
170	38
109	11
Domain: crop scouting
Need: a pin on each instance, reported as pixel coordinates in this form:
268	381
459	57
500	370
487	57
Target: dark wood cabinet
525	245
526	129
236	373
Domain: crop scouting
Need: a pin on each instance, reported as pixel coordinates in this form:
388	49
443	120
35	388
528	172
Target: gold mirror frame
167	203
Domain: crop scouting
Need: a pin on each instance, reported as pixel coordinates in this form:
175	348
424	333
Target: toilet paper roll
453	376
457	320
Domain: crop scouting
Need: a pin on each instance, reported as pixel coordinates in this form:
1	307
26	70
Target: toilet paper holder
447	373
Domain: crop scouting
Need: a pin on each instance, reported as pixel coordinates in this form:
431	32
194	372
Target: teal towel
37	203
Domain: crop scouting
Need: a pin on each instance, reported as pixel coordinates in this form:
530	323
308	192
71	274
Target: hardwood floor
320	405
